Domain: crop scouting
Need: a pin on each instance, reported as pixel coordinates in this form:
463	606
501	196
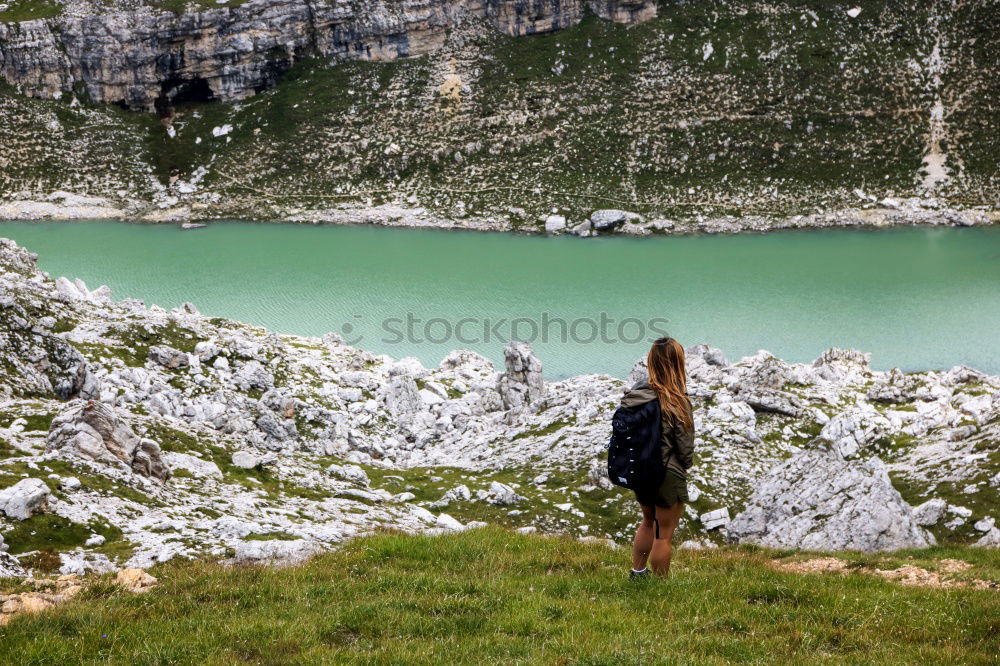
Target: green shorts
672	490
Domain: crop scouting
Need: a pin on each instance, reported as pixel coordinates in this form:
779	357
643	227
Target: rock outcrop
151	59
522	385
91	430
24	499
36	362
820	501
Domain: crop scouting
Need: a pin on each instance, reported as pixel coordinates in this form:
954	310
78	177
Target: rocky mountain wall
149	59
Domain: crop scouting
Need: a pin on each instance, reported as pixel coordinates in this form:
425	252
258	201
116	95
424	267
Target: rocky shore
131	435
877	214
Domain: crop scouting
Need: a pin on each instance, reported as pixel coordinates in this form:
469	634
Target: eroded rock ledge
149	59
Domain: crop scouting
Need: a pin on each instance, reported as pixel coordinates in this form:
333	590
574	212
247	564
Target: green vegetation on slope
27	10
487	596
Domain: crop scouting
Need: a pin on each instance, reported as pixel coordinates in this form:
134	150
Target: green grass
488	596
51	532
28	10
33	422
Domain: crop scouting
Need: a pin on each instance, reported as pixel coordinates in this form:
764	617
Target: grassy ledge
488	595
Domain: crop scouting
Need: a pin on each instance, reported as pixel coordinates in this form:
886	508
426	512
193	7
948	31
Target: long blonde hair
667	378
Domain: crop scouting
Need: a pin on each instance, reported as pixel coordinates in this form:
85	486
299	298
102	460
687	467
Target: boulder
817	500
446	522
93	431
597	475
522	384
735	411
893	387
763	370
771	401
168	357
930	512
251	460
555	224
252	375
609	219
70	483
457	494
842	365
275	552
502	494
855	429
638	373
584	230
135	580
24	499
148	460
713	520
989	540
36	362
711	355
350	473
198	468
400	394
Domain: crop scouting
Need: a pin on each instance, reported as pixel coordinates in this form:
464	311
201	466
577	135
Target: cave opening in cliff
176	92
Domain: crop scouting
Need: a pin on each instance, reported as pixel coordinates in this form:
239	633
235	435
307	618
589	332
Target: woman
662	507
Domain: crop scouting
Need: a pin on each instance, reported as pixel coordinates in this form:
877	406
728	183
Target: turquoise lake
915	298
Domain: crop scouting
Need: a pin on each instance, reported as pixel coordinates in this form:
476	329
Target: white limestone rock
350	473
986	524
198	468
70	483
610	219
597	475
854	429
930	512
842	365
252	460
502	494
989	540
555	224
763	370
275	552
713	520
24	499
168	357
446	522
457	494
522	385
253	375
91	430
819	501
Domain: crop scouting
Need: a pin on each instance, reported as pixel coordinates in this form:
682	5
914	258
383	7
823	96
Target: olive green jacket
676	441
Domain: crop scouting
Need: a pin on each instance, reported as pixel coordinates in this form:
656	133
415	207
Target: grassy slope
788	113
487	596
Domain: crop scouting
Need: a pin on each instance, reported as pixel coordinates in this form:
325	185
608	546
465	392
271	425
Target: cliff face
148	59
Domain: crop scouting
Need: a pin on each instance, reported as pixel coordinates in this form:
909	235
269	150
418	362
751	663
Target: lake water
915	298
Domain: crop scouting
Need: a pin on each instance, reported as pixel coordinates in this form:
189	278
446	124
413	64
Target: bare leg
659	558
642	544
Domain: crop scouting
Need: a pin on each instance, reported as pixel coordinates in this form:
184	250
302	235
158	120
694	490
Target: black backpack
634	458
